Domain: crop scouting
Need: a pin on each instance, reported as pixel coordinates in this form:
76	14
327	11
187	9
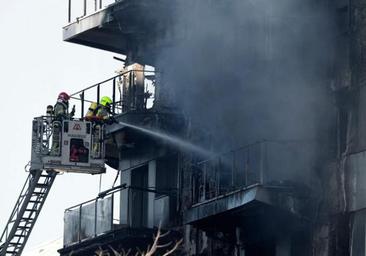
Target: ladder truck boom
26	211
80	149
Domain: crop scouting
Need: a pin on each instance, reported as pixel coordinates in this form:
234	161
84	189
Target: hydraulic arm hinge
26	211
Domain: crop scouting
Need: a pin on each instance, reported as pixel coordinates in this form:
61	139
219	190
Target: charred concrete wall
339	229
353	161
325	88
288	71
244	71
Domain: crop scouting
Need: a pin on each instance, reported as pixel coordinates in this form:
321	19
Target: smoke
247	70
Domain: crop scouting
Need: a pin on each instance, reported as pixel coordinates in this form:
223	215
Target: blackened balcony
120	218
131	90
251	185
133	102
118	25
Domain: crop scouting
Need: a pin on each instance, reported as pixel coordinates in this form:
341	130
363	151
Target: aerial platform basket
67	146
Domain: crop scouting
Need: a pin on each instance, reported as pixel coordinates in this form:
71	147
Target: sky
35	65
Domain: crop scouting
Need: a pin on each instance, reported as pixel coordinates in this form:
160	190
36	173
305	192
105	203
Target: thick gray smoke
248	70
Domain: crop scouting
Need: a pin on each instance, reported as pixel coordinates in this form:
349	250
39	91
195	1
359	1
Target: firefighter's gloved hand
72	113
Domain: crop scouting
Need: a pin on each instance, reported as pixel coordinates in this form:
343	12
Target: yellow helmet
105	100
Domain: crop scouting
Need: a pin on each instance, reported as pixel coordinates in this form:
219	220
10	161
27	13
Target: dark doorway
138	196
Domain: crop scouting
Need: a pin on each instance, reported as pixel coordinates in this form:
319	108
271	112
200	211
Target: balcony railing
78	9
125	207
89	219
266	162
126	95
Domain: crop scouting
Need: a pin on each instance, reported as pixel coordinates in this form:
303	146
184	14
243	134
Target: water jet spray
173	140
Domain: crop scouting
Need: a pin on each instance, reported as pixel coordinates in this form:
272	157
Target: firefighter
49	111
61	108
49	114
104	109
61	112
92	111
99	114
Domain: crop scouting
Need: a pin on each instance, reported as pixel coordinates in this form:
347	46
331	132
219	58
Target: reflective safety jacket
97	112
92	111
102	112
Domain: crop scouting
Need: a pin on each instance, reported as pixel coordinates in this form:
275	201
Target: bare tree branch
139	252
165	234
174	248
99	252
155	244
164	245
126	253
150	251
123	253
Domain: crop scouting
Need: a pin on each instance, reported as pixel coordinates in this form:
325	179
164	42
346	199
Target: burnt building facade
239	127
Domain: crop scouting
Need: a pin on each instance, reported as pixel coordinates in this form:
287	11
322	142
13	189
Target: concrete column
125	203
151	196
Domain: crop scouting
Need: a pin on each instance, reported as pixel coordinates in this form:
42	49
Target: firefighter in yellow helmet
104	109
99	114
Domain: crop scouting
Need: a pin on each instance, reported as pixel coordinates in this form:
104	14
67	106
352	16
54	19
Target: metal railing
122	207
265	162
88	219
46	138
42	131
78	9
115	88
228	172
